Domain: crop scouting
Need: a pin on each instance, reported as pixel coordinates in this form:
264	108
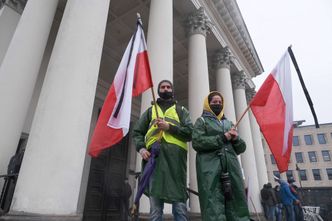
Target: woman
219	176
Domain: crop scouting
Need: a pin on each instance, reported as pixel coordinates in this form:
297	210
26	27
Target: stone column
160	45
58	139
198	77
248	157
258	146
19	71
224	81
10	14
160	48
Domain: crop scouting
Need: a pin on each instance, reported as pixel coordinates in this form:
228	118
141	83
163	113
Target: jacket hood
206	106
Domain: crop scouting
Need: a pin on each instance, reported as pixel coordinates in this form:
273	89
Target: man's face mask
216	108
166	95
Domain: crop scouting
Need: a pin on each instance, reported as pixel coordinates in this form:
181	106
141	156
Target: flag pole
306	93
245	111
139	20
254	208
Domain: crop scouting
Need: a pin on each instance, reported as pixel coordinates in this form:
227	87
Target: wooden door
106	179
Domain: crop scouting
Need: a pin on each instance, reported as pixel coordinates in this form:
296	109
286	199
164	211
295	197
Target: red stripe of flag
134	70
273	109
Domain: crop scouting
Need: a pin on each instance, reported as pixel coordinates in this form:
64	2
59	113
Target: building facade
310	165
57	61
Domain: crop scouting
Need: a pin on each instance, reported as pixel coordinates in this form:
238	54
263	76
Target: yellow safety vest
153	134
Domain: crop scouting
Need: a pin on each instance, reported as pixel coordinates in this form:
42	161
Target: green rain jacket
169	179
216	155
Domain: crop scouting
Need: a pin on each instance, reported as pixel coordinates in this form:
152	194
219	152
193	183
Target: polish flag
132	78
273	109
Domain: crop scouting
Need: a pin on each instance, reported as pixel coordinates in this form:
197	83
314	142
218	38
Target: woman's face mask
216	108
216	104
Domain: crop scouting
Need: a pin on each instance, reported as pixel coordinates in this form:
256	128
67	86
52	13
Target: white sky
307	26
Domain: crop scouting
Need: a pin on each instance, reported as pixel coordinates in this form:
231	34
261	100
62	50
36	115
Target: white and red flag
273	109
131	79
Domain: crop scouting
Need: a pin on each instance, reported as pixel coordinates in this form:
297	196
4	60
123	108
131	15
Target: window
289	174
316	174
321	138
303	174
312	156
326	155
296	141
273	161
276	174
299	157
308	139
329	173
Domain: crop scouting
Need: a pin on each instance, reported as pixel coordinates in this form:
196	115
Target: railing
311	213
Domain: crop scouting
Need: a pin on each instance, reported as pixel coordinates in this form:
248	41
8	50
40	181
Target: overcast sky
307	26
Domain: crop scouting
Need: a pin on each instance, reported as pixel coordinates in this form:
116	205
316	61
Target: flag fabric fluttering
273	108
132	78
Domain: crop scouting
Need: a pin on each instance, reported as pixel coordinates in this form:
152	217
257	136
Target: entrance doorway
106	181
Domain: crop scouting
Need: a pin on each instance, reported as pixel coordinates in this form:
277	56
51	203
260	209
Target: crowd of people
282	202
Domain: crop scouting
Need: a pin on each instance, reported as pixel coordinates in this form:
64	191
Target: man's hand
162	124
144	153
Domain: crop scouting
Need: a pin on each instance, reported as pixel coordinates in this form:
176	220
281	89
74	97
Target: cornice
231	15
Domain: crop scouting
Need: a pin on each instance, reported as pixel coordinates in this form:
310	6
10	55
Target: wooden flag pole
254	208
245	111
152	91
154	101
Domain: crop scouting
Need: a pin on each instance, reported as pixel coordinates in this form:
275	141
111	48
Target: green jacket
216	155
169	180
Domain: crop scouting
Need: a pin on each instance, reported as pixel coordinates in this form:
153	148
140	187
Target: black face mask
166	95
216	108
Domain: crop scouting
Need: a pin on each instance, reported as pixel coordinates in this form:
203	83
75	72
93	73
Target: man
271	202
288	200
297	208
124	199
172	127
264	197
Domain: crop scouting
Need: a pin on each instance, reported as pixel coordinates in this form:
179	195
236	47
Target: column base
39	217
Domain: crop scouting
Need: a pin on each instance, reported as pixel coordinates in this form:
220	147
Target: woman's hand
233	133
228	136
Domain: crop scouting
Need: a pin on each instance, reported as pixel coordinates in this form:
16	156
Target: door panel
106	178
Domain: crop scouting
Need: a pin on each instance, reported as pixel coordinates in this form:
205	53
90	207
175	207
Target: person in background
264	199
219	177
288	200
125	195
271	202
297	207
278	209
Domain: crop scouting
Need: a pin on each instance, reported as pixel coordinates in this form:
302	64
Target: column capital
250	93
198	23
239	80
222	58
17	5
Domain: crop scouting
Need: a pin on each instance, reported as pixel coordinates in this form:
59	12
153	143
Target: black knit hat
163	82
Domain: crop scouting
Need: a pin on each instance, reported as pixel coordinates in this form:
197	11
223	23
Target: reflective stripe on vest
153	134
